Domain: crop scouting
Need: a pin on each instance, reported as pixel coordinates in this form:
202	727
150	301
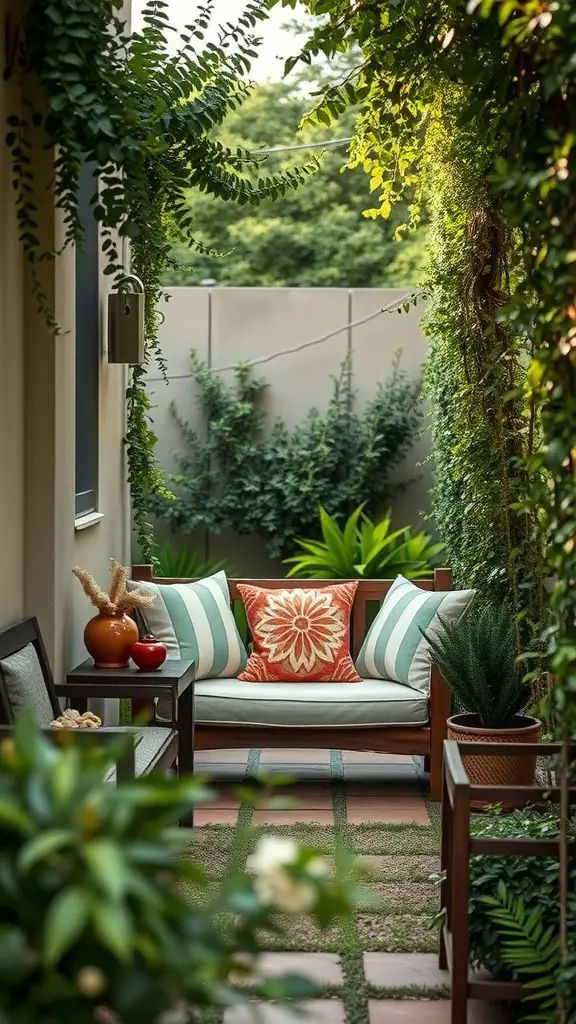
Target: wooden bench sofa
423	739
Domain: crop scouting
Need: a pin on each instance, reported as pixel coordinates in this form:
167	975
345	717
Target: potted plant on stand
478	659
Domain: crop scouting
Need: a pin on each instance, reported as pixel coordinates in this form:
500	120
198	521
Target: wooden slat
526	847
504	749
516	794
495	991
380	739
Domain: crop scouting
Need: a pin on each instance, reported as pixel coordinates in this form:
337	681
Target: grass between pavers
401	858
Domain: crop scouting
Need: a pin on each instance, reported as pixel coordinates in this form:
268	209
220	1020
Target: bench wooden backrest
369	596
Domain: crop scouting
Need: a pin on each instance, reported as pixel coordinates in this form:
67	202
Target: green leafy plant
247	479
178	562
529	949
364	549
414	54
477	657
106	912
143	115
529	881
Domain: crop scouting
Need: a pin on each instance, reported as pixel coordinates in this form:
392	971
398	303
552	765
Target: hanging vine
513	61
143	114
423	135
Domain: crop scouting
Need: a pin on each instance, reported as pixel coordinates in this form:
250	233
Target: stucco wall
11	373
39	544
227	325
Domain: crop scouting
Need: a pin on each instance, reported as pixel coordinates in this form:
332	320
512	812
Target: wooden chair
26	681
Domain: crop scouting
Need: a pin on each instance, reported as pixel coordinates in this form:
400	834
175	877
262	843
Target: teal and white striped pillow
394	647
195	621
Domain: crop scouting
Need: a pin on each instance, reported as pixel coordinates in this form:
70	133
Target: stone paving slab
430	1011
391	970
322	968
316	1011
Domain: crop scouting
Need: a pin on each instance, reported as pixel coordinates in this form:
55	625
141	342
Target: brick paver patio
379	788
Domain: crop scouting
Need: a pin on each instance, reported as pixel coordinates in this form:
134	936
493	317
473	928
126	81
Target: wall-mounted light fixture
126	323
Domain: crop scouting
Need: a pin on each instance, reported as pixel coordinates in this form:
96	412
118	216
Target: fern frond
528	950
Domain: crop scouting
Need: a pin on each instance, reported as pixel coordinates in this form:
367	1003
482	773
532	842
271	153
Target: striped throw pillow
394	647
195	621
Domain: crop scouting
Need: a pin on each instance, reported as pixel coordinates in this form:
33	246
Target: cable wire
329	144
409	297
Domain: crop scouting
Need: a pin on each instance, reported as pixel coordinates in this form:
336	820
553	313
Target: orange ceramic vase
109	639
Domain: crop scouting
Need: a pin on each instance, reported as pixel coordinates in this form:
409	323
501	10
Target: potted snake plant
478	659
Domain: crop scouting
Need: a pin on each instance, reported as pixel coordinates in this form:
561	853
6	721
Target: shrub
533	880
365	550
251	480
105	913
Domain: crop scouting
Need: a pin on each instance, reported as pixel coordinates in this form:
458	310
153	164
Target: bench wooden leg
436	778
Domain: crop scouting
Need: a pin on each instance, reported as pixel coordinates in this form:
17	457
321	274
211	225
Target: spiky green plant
477	657
176	561
365	550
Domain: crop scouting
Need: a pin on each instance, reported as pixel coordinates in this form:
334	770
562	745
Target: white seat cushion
307	705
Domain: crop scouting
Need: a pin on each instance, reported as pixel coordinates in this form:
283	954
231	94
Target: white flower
281	890
275	884
272	852
319	867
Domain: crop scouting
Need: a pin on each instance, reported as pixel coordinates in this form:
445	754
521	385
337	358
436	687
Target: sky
276	42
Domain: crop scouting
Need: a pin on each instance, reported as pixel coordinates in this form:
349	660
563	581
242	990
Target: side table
173	680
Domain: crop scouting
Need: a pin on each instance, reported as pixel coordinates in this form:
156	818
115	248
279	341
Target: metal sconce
126	323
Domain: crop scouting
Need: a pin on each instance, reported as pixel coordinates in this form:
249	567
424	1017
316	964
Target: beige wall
11	372
39	542
227	325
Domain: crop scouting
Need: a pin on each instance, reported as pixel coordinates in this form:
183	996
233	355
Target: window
87	350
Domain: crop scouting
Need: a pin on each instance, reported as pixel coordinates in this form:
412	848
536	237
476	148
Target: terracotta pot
110	639
496	771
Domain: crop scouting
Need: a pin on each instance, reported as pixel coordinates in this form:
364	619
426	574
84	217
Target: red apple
148	654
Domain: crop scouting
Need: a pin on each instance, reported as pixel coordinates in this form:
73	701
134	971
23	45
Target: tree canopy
317	236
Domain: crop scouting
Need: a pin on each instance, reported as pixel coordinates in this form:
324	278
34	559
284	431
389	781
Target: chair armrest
105	736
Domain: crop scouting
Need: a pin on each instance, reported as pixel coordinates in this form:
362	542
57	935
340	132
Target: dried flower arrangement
119	600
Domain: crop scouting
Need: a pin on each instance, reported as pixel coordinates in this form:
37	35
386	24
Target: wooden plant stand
458	846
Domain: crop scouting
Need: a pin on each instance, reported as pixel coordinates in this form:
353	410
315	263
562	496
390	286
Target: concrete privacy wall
228	325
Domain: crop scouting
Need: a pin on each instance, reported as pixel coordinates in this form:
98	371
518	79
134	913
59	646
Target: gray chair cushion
151	740
25	684
307	705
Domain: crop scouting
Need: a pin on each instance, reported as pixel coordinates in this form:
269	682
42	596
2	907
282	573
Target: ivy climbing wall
229	325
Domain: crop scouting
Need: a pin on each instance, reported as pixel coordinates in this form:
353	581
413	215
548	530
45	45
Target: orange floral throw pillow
299	636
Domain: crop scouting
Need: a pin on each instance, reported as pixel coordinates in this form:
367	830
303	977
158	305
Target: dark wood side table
173	680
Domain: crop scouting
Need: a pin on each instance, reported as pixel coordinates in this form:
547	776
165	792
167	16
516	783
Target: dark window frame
87	328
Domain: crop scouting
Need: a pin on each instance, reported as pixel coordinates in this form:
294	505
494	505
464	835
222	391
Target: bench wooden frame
426	741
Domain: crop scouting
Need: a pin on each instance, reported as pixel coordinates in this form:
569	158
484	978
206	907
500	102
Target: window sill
90	519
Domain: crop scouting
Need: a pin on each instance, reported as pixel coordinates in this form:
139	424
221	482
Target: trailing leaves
143	113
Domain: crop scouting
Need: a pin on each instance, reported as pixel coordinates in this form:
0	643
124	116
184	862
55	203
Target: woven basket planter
496	771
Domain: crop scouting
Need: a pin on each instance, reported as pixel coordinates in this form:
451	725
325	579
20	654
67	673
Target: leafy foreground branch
143	117
107	913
